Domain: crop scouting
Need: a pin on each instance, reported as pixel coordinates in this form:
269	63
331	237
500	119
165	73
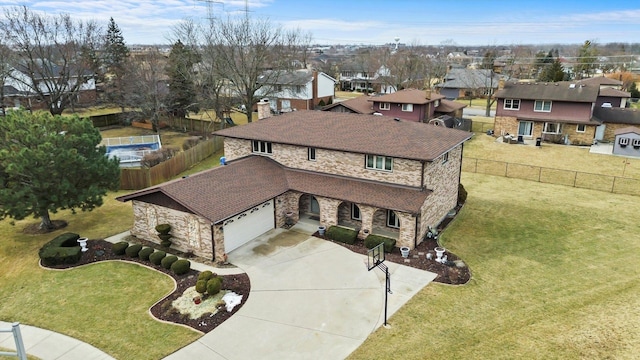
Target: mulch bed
100	250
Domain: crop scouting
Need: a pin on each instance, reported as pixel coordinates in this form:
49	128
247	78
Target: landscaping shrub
145	253
201	286
462	194
205	275
181	266
63	249
213	286
163	228
120	247
342	235
373	240
156	257
190	142
133	250
168	261
156	157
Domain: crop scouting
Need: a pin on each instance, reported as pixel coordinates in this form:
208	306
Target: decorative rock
407	260
460	263
420	253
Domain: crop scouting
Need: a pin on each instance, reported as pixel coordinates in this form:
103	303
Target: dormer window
378	162
311	154
385	106
262	147
407	107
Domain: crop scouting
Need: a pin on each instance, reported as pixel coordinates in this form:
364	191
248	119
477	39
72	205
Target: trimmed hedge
342	235
201	286
205	275
133	250
181	266
156	257
145	253
120	247
63	249
168	261
213	286
373	240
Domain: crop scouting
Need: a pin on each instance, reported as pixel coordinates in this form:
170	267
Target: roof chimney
500	84
264	110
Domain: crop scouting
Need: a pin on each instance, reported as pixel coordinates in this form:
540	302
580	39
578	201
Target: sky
374	22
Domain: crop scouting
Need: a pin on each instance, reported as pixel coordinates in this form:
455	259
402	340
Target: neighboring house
299	90
614	119
627	142
357	105
415	105
561	112
354	78
460	83
371	173
24	85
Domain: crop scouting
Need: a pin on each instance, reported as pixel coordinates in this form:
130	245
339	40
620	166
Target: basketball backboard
375	256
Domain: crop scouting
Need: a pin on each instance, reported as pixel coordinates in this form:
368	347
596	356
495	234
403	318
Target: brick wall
610	129
190	232
509	124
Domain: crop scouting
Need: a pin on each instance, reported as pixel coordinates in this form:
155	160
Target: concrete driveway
309	299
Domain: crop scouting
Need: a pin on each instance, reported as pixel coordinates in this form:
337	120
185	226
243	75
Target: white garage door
244	227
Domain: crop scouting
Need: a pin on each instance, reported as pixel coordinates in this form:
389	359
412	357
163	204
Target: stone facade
509	124
405	172
610	131
190	232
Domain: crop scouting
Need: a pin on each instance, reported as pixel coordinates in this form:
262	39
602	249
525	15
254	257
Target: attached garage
246	226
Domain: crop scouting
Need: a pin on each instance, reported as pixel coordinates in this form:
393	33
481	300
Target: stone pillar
264	109
366	214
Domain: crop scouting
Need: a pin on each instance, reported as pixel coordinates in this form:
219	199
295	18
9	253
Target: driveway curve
309	298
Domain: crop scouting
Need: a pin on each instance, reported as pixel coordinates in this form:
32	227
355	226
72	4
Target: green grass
103	304
555	276
476	103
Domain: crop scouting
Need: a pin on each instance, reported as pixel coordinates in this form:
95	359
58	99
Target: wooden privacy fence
609	183
140	178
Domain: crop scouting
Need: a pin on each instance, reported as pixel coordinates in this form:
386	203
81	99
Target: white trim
385	106
262	147
391	214
407	107
514	104
542	105
578	128
378	162
558	128
354	209
311	154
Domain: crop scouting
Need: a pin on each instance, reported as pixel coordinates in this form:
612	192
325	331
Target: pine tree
116	55
182	93
49	163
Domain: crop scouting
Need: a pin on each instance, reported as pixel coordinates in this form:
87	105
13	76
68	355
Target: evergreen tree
116	54
633	90
552	72
49	163
586	62
182	93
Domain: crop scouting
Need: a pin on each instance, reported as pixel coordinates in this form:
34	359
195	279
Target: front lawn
104	304
554	276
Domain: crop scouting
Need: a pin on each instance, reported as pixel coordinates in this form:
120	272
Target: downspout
415	236
459	172
213	244
422	177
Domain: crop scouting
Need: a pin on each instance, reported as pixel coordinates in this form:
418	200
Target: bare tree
7	56
146	87
56	54
244	50
404	68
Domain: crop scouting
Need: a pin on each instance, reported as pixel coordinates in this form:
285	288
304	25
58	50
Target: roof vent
572	86
396	119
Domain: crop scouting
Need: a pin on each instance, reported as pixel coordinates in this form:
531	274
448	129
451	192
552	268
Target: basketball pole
387	289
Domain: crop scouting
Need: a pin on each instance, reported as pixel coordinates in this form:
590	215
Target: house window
552	128
445	157
542	105
581	128
355	212
407	107
311	154
525	128
262	147
623	141
392	220
278	87
378	162
298	88
512	104
385	106
636	143
436	103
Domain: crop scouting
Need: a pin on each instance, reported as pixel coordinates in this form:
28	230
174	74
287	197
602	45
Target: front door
314	206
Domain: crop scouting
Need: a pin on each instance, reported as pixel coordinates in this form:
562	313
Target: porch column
366	213
328	211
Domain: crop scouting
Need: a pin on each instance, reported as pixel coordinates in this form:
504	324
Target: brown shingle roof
449	106
617	115
611	92
558	91
359	105
365	134
600	80
222	192
408	96
630	129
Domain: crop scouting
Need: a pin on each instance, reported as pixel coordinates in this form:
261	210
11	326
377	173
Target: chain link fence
609	183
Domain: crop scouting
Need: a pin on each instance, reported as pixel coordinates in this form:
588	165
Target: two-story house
562	112
372	173
298	90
